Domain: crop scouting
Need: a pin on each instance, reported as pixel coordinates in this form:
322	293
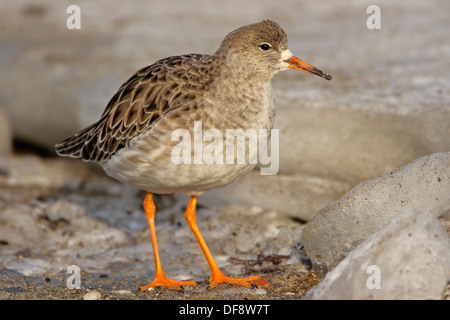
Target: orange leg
216	275
160	277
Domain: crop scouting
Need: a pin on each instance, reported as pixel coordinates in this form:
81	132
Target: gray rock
409	258
92	295
423	184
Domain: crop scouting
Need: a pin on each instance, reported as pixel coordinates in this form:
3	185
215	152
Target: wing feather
151	93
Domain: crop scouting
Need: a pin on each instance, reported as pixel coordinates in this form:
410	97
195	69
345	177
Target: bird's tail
75	146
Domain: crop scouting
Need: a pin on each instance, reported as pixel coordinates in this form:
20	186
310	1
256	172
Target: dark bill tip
296	63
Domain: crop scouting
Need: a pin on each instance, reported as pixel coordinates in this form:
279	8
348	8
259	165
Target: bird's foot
219	277
163	281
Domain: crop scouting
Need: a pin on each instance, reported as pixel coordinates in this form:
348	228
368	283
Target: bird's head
261	50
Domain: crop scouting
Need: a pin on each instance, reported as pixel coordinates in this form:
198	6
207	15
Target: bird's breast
249	107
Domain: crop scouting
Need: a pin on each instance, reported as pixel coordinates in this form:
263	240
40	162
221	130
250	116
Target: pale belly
169	177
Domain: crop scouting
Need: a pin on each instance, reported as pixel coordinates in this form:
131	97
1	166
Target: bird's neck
233	66
238	82
244	96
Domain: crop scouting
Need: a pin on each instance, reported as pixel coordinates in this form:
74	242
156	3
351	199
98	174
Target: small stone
92	295
260	291
423	184
121	292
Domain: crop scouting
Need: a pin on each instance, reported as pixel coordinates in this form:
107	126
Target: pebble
121	292
92	295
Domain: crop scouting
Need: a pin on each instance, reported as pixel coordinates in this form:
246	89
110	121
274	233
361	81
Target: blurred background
388	102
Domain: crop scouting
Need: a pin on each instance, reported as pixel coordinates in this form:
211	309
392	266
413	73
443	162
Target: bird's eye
265	46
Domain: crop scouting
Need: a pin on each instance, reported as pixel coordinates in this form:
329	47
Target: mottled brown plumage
168	84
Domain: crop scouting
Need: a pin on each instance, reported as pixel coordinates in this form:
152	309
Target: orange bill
296	63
